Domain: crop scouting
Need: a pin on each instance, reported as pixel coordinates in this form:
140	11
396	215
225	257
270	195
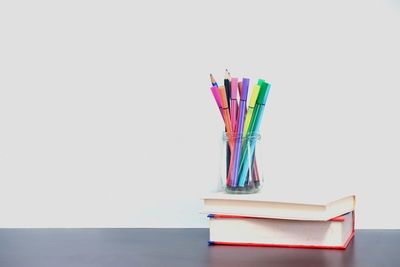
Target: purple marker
242	115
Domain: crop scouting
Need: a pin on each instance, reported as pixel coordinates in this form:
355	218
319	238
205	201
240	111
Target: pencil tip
210	75
227	75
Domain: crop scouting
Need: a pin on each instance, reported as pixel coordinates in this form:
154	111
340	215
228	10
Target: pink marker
217	98
234	105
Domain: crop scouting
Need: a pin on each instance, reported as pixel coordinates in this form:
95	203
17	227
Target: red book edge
339	218
286	246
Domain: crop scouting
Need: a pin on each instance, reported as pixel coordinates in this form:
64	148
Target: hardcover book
253	231
314	207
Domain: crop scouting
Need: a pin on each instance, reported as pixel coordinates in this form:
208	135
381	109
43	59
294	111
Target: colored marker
228	126
256	108
263	95
249	116
252	103
225	110
238	145
250	129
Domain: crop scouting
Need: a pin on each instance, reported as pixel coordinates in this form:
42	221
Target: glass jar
240	164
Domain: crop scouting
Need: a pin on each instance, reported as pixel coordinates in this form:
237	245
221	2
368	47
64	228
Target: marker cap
254	95
245	88
261	94
260	82
234	88
266	93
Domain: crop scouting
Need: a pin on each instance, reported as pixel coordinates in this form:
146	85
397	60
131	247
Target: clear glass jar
240	164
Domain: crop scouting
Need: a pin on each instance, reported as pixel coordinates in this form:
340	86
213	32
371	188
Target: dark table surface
180	247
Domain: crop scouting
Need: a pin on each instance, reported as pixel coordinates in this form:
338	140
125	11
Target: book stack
281	221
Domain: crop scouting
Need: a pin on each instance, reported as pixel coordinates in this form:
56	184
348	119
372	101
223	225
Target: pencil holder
241	171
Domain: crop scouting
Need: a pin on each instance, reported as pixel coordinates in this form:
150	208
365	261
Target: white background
107	120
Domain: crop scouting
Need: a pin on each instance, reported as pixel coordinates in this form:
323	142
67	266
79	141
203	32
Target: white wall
107	120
